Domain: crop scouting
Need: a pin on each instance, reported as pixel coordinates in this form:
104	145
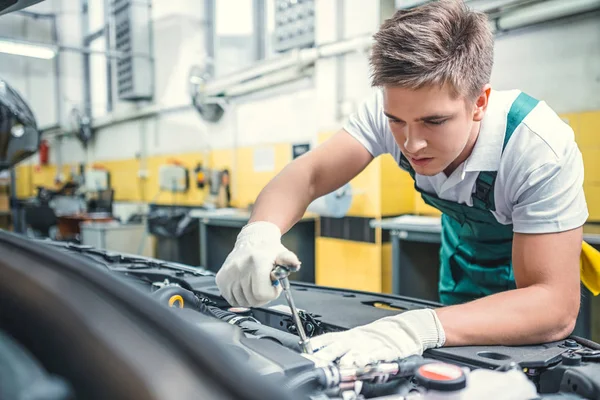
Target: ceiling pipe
545	11
297	59
492	6
267	81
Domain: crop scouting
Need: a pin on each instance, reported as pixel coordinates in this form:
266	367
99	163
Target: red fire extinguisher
44	152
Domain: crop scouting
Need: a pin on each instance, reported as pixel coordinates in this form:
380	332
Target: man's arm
244	279
544	306
320	171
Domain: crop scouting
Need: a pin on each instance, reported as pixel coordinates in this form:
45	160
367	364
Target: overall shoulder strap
405	165
484	186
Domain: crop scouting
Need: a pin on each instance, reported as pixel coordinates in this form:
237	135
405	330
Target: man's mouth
421	162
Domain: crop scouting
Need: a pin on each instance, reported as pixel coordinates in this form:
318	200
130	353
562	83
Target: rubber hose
259	330
372	390
303	378
407	366
218	313
586	342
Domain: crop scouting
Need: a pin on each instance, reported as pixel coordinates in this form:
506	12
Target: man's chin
427	171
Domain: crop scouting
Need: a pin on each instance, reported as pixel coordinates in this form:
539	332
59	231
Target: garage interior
161	122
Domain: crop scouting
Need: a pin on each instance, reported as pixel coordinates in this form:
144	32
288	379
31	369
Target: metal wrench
281	273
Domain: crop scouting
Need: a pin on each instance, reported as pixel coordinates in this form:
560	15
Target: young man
502	167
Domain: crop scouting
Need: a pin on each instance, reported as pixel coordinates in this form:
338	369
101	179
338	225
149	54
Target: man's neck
466	151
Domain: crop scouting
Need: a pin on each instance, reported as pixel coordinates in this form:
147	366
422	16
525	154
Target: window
98	79
95	15
269	28
235	46
98	62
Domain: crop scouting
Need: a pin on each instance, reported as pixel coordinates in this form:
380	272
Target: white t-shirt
539	185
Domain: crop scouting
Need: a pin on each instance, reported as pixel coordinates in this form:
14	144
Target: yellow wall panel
591	165
588	131
591	183
586	126
346	264
45	175
327	264
587	134
23	181
249	181
397	188
29	176
221	159
366	200
124	179
592	197
386	268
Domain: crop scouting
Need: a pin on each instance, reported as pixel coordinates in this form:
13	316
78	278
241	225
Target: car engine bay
265	340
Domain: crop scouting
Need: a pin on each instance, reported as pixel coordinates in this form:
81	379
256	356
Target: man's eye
394	121
436	122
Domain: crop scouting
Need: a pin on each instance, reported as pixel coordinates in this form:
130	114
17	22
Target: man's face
435	130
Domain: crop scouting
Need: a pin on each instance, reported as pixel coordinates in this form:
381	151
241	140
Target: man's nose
414	142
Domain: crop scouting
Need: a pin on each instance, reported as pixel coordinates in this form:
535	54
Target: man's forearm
523	316
285	198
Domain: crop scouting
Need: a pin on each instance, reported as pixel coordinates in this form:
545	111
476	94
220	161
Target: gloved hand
386	339
245	277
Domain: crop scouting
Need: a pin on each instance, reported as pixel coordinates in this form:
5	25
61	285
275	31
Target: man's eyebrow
436	117
390	116
426	118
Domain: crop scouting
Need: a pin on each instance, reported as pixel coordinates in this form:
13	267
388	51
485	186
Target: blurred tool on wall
335	204
219	193
98	193
173	177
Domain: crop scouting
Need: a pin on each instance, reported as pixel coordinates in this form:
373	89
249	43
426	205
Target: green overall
476	250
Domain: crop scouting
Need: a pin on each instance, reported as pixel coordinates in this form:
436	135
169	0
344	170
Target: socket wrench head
282	271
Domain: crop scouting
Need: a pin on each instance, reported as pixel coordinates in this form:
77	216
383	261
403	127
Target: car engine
265	340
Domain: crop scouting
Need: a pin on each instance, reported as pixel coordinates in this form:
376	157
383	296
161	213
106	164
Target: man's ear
481	103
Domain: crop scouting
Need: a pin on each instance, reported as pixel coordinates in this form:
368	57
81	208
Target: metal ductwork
292	66
544	11
208	96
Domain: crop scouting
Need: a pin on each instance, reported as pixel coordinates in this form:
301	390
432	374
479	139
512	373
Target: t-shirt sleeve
548	197
368	124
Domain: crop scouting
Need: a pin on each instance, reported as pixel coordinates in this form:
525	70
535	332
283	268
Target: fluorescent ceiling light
27	49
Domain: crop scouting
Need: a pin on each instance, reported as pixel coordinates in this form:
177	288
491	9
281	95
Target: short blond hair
439	43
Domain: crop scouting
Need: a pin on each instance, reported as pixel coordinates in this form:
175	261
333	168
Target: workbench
415	254
415	262
219	229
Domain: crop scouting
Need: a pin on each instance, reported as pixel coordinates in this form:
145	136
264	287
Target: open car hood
19	135
7	6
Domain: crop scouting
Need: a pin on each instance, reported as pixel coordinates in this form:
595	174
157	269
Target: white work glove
245	277
387	339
